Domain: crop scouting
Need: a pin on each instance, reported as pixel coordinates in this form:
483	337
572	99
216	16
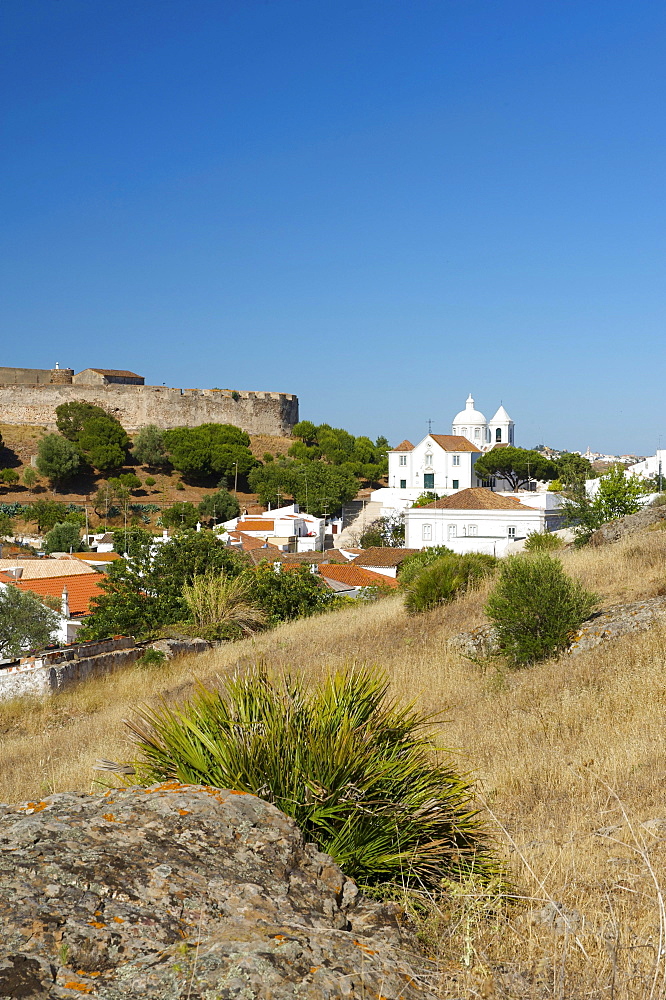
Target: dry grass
569	755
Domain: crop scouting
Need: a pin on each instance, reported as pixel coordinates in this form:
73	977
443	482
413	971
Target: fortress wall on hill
137	405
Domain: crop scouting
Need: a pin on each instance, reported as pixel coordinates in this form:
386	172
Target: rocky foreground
186	891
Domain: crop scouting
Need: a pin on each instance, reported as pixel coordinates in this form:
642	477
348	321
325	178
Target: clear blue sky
380	206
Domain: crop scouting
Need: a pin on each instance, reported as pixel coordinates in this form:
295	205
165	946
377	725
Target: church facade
444	463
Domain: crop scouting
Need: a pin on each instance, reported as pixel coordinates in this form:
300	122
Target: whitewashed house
285	527
476	520
651	467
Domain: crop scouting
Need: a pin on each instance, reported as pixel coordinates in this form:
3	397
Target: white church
444	463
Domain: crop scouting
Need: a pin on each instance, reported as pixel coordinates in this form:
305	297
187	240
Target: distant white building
477	520
651	467
285	527
484	434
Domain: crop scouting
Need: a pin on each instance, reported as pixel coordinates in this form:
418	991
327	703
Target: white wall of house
654	465
488	531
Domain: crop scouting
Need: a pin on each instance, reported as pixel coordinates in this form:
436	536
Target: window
456	484
498	434
428	458
477	433
453	531
403	484
428	480
511	532
463	431
471	529
456	459
403	460
426	532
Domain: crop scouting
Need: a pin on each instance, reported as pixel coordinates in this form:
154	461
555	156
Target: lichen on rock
182	890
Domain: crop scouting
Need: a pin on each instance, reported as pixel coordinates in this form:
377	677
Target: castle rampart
135	406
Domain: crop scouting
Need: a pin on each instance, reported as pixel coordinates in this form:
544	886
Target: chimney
64	604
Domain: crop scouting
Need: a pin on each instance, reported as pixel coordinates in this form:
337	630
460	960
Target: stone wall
25	376
137	405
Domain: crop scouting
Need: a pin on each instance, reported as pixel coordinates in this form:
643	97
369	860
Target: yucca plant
216	600
360	775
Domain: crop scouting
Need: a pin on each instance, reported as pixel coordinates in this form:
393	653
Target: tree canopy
219	506
517	465
617	495
99	437
210	449
149	447
57	459
25	623
317	487
336	446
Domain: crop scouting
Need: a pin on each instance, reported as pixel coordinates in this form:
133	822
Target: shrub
224	603
535	607
412	565
445	578
543	542
29	477
425	498
63	537
361	776
9	477
179	485
151	658
219	506
150	481
180	515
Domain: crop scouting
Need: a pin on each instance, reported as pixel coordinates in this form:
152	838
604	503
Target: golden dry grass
570	757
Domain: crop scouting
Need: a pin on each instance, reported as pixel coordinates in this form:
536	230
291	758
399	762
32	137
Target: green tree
617	495
145	592
29	477
132	540
7	529
388	530
317	487
573	469
289	594
130	481
104	443
517	465
57	459
210	449
180	515
306	431
425	498
219	506
149	448
25	623
46	513
72	417
9	477
64	537
536	607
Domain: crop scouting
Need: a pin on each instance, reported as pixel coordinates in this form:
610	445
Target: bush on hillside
536	607
444	579
544	541
360	775
64	537
412	565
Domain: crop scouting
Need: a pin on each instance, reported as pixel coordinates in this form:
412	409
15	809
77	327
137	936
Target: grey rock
180	647
182	890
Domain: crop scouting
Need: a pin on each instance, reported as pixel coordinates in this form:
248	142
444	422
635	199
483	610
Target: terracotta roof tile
404	446
34	569
100	557
258	524
454	442
80	589
378	556
477	498
355	576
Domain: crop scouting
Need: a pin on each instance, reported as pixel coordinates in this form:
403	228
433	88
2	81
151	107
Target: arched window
498	434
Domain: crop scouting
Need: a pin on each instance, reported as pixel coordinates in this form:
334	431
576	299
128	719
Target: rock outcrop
646	517
186	891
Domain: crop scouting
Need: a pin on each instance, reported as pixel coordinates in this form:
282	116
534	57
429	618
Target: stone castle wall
137	405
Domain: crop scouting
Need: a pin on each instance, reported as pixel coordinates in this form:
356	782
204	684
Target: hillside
569	757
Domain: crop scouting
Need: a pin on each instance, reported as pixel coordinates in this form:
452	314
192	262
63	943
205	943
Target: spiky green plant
360	775
214	599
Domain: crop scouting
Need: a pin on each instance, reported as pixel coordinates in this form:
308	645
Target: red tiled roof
477	498
355	576
80	589
378	556
114	371
249	542
454	442
404	446
259	524
96	556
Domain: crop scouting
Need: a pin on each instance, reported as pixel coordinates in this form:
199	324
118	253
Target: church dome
469	416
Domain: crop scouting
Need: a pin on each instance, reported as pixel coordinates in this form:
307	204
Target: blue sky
378	205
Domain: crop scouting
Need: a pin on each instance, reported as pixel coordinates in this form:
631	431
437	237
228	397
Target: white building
476	520
470	423
286	527
650	468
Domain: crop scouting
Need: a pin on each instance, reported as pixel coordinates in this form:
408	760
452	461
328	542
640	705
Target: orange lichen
109	817
119	920
33	807
96	923
364	947
82	972
183	812
81	987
